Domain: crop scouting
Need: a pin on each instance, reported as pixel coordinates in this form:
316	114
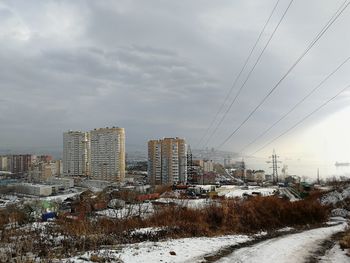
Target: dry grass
236	216
345	241
221	217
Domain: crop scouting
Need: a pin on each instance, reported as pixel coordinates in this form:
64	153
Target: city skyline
165	79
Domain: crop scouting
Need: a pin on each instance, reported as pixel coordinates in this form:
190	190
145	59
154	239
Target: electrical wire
249	74
239	74
297	104
314	41
302	120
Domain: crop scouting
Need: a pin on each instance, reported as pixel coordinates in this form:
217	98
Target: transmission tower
274	161
190	170
244	172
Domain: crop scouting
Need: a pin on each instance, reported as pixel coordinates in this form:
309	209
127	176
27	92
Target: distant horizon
295	167
241	76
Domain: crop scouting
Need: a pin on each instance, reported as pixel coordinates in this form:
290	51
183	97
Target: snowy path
288	248
294	248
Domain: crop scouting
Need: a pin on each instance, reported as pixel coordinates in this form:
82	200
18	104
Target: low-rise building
33	189
64	182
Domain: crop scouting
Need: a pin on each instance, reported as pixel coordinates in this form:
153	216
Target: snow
285	229
147	230
186	249
146	209
293	248
143	210
236	191
335	254
60	197
190	203
340	212
334	197
6	200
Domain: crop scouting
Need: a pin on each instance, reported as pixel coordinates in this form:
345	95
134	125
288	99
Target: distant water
306	168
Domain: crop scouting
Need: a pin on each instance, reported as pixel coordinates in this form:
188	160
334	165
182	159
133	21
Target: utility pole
244	173
274	161
318	176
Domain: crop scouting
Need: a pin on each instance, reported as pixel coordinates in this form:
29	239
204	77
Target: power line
249	73
303	119
297	104
239	74
319	35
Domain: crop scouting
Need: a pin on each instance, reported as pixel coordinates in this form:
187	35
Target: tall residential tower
167	161
76	153
108	154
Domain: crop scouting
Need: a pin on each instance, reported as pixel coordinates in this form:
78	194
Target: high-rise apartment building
108	154
3	163
167	161
76	153
19	164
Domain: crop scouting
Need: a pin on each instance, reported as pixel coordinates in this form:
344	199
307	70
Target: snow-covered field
146	209
291	248
142	209
185	250
236	191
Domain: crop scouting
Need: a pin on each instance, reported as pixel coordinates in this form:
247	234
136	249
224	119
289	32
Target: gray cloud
157	68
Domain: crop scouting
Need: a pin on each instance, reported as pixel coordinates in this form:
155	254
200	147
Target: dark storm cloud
157	68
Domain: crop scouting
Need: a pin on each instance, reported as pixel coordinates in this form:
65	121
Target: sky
163	68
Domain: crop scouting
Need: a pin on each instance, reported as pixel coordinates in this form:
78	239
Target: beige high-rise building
108	154
167	161
76	153
3	163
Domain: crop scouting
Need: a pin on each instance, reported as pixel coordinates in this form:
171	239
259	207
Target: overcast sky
163	68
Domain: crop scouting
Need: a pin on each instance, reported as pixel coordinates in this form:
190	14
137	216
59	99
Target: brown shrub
259	213
345	241
160	189
221	217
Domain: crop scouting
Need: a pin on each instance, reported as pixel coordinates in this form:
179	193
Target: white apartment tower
76	153
108	154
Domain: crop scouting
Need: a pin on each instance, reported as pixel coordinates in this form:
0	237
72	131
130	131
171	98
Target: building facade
76	153
167	161
108	154
20	164
3	163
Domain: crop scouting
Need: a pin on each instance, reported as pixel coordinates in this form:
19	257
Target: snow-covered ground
190	203
335	255
334	197
6	200
146	209
60	197
293	248
142	209
237	191
185	250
